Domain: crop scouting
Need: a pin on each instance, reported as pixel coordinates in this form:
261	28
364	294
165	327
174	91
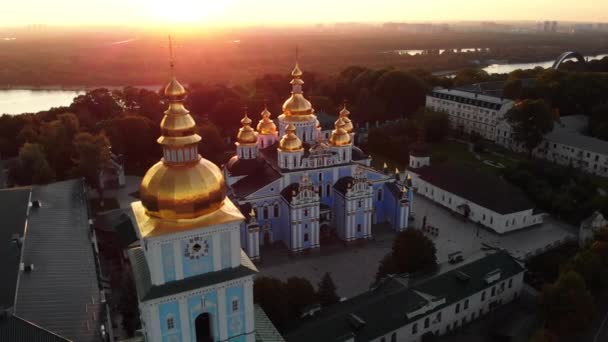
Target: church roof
482	188
342	184
383	309
256	179
265	331
147	291
358	154
288	191
394	189
16	329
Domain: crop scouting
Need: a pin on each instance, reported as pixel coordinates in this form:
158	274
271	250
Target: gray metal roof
61	294
568	132
461	94
265	331
16	329
13	215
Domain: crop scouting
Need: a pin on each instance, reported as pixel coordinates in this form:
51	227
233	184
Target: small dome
348	125
175	89
246	135
296	104
339	136
266	125
290	141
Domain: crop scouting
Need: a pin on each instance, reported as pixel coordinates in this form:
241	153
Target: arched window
306	237
320	177
276	210
379	195
202	327
265	212
394	337
426	322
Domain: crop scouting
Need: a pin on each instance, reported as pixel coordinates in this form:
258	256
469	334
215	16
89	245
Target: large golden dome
296	104
182	185
290	141
246	135
266	125
339	136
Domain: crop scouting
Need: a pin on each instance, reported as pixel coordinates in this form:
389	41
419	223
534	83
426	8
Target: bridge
567	55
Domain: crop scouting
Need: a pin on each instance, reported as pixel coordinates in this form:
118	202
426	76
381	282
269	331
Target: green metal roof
147	291
384	308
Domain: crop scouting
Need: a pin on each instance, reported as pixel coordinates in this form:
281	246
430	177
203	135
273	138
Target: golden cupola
348	125
247	134
339	136
183	185
297	105
266	126
290	141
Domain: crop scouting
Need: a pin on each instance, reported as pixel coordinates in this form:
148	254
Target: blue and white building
301	187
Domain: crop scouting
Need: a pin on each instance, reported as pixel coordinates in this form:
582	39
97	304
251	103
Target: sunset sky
279	12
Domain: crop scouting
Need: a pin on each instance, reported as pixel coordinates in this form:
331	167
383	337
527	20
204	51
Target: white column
157	264
179	260
221	312
235	247
217	255
154	325
256	243
185	319
250	238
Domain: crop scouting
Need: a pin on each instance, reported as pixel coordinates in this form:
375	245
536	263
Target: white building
469	111
477	195
565	145
409	309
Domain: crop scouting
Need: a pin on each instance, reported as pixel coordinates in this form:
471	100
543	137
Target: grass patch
108	204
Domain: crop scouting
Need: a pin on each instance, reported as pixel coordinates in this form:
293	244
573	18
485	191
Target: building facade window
483	296
394	337
426	322
170	323
438	318
265	212
493	293
320	177
359	228
457	310
235	305
327	187
510	283
379	195
276	210
359	204
306	237
305	212
415	328
466	304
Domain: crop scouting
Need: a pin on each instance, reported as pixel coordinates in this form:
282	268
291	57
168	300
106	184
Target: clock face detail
197	247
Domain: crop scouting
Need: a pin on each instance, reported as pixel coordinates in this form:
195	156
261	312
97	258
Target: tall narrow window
265	212
170	323
415	328
327	188
320	177
426	322
306	237
359	228
276	210
466	304
394	337
305	212
457	308
510	282
379	195
235	305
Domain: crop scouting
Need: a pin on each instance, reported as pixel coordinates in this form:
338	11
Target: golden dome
348	125
339	136
290	141
266	125
296	104
246	134
175	89
182	185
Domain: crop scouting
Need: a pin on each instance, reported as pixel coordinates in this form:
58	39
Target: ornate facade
296	187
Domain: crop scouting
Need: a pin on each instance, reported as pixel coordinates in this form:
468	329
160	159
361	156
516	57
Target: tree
567	305
530	121
128	305
134	136
543	335
598	122
402	92
327	291
300	294
436	124
588	264
56	138
271	295
513	89
32	166
212	145
92	155
412	252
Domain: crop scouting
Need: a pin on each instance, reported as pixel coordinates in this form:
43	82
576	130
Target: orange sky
278	12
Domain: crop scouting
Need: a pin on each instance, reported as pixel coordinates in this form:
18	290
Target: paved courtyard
353	268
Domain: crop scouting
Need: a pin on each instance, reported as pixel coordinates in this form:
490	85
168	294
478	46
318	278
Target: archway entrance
202	325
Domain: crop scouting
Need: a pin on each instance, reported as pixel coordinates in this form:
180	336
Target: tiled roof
13	214
482	188
147	291
264	329
384	308
15	329
62	293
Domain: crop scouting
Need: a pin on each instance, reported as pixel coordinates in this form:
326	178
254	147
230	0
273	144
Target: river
18	101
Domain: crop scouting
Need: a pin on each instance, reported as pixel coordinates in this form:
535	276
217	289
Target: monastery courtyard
353	268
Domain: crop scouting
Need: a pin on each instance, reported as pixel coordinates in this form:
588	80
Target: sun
181	11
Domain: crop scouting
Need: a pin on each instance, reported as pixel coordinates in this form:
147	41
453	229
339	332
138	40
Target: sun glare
181	11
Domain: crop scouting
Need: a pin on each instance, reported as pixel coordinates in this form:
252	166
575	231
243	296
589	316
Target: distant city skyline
184	13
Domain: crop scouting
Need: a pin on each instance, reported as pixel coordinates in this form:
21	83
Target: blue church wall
383	206
194	266
201	304
343	172
235	318
170	323
306	229
168	256
359	222
391	206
